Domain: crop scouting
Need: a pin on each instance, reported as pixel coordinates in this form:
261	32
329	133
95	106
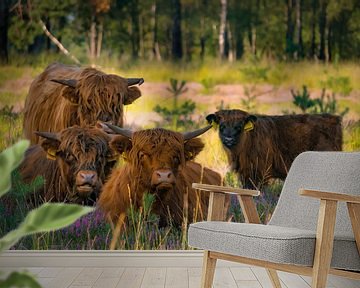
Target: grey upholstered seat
290	235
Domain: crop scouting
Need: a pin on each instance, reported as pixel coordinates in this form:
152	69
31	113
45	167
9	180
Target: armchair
314	231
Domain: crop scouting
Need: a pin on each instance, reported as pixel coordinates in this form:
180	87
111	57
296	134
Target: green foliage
338	84
352	137
20	280
10	126
48	217
177	87
177	116
255	72
21	190
9	160
324	104
328	104
208	85
302	99
249	102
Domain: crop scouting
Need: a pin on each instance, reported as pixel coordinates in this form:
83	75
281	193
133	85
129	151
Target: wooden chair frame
324	235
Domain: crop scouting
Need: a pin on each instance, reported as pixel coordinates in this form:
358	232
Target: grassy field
206	88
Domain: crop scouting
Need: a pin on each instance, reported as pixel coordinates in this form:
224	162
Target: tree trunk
299	42
4	26
48	27
93	40
177	52
202	32
253	40
222	30
99	39
155	44
289	29
231	50
313	29
328	54
322	30
141	37
135	29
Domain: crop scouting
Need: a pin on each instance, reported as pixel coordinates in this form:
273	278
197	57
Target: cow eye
176	160
222	127
70	158
141	155
238	127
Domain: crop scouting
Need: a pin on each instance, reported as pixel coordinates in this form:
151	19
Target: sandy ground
228	94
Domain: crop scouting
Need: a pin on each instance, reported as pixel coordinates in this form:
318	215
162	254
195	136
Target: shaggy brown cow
260	147
73	163
63	96
158	162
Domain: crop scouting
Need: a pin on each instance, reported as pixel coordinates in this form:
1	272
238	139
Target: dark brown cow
261	147
73	163
63	96
158	162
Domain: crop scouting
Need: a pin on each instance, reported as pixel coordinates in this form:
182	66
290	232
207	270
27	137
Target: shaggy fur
146	152
267	150
78	149
52	107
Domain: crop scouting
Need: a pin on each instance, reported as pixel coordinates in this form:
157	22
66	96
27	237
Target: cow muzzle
229	142
86	182
162	179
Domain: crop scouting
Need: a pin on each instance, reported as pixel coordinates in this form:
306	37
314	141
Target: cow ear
50	143
70	94
120	144
192	148
249	122
133	94
212	118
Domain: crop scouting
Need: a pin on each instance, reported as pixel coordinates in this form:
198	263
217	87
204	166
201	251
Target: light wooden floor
171	277
143	270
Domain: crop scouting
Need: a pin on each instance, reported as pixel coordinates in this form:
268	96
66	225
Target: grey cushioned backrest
325	171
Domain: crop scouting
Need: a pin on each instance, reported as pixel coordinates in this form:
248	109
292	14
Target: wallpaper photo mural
124	114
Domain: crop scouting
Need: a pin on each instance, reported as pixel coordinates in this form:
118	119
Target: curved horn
133	81
193	134
118	130
48	135
68	82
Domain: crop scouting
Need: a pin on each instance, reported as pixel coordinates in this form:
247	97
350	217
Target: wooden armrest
227	190
330	196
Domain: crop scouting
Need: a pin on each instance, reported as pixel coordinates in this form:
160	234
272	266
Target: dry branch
57	43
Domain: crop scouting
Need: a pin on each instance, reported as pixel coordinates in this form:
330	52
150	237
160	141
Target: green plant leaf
46	218
10	158
19	279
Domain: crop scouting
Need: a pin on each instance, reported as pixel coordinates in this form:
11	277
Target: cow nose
86	177
162	176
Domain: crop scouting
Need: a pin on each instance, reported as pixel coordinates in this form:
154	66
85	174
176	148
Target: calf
261	147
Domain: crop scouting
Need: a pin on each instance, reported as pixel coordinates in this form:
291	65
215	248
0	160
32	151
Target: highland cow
63	96
159	162
73	163
261	147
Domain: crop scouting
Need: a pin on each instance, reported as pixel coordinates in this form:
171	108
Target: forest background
196	56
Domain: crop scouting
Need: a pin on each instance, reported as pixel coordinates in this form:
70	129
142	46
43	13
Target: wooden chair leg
274	278
324	243
208	271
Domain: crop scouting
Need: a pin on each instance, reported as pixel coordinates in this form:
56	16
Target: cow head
232	124
156	156
100	96
84	159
